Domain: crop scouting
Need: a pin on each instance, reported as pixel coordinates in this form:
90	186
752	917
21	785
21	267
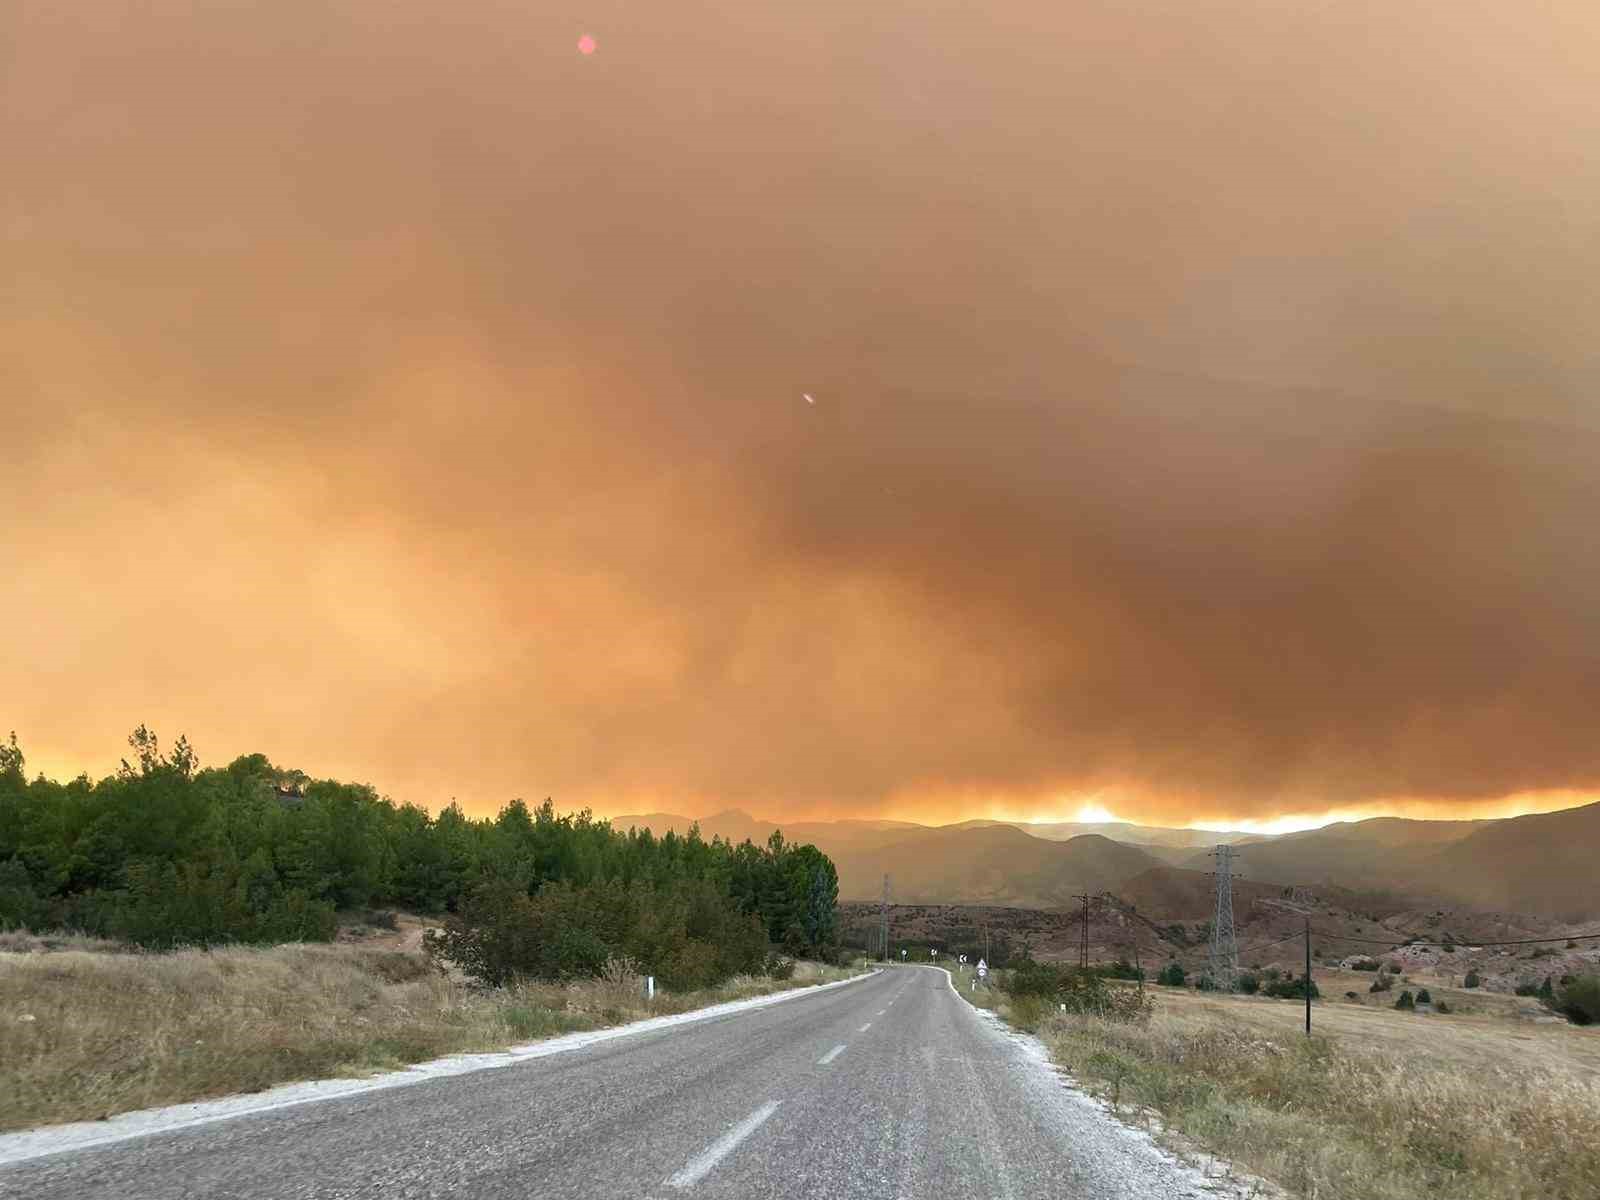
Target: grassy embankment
87	1031
1379	1105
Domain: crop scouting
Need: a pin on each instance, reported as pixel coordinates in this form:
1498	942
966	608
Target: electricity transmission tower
883	920
1224	961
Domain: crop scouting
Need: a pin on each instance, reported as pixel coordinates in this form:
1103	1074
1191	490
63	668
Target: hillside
1541	864
991	865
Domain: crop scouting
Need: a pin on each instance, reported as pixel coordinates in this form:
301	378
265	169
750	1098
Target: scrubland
88	1030
1378	1105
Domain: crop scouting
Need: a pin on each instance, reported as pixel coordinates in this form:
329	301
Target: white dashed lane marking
705	1162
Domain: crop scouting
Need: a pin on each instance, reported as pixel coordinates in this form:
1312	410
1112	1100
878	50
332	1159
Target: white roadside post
649	987
983	974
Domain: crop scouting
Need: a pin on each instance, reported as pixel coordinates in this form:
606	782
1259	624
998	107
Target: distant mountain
988	865
1542	864
1129	834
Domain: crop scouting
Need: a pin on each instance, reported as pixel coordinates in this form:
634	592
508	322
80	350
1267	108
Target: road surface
892	1086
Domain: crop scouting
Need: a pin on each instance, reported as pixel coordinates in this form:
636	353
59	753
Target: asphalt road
889	1087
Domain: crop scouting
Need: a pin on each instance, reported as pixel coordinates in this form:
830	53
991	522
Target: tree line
165	853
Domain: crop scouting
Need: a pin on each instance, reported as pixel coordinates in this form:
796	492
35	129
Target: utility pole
883	920
1224	960
1308	976
1083	942
1137	969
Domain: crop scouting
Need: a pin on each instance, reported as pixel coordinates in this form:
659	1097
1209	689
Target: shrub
1206	984
1249	985
1406	1003
1382	983
688	935
1027	1012
1352	996
1172	975
1578	1001
1291	989
1526	989
1029	978
778	967
1365	964
1423	996
1441	1007
1392	967
1472	980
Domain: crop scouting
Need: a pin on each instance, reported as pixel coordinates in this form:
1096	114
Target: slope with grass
1379	1105
88	1030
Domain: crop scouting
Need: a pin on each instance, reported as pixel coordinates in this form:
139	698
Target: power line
1563	937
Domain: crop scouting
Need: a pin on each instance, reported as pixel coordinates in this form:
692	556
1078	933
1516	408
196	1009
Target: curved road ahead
892	1086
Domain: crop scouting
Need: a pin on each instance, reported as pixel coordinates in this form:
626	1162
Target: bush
1084	992
1392	967
1423	996
1472	980
1441	1007
1172	975
778	967
1030	978
1249	985
1382	983
1578	1001
1526	989
1291	989
1405	1003
1365	964
688	935
1027	1012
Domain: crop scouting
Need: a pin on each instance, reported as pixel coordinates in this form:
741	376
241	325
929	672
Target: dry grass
1380	1105
85	1034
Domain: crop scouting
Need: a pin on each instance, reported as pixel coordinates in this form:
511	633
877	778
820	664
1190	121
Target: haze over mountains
1542	864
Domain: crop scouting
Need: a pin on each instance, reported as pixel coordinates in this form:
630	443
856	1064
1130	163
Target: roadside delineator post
649	987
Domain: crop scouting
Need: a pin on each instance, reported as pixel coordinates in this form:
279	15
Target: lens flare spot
586	44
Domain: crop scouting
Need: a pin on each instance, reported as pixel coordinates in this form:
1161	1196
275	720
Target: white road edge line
28	1144
830	1056
702	1164
865	1027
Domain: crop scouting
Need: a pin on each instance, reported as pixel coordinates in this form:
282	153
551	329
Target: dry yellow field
1508	1031
1493	1104
86	1032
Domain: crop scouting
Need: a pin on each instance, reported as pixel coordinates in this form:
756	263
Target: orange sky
1204	420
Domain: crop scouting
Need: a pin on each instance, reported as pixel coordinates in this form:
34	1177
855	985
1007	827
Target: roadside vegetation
1384	1105
164	854
88	1029
192	908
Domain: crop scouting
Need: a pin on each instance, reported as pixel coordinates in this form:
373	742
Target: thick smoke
1203	400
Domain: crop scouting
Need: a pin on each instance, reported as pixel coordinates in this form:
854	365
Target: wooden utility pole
1083	948
1308	976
